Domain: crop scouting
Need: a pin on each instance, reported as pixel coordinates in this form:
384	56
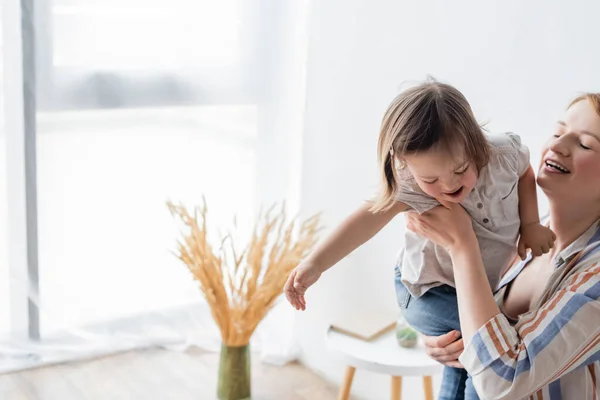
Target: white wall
518	63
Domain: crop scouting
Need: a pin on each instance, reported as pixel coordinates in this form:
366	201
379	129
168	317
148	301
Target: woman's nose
560	146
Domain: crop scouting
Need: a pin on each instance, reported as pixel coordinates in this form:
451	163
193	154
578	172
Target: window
114	54
140	102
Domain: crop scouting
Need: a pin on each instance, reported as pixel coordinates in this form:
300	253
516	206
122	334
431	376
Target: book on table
365	325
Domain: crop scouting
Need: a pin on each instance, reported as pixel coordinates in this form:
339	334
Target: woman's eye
431	182
584	146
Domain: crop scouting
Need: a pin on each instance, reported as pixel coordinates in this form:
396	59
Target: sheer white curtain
4	271
140	102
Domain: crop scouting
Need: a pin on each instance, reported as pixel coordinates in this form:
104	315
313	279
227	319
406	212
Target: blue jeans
436	313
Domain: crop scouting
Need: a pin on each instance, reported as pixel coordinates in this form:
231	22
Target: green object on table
407	337
234	373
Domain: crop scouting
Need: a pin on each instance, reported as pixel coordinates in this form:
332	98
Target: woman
539	336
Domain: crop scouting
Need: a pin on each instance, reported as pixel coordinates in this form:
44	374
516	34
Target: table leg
396	388
428	387
345	389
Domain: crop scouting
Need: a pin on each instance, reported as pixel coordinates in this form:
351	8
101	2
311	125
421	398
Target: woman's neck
568	223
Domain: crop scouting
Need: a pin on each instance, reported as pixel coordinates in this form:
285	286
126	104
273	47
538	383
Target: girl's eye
584	147
556	136
462	171
431	182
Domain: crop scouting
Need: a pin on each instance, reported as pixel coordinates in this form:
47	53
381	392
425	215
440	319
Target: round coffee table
382	355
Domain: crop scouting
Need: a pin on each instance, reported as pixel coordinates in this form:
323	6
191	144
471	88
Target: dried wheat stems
242	286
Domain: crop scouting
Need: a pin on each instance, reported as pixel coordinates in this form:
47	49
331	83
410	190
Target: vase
234	373
405	335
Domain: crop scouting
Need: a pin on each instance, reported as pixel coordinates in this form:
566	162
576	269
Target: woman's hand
447	225
451	227
445	349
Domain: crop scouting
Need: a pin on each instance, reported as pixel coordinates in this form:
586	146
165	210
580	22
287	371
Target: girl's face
442	174
570	166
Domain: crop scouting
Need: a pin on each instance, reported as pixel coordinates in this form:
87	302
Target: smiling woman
537	335
574	145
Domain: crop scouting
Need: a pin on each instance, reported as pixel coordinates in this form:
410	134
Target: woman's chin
551	185
543	181
545	177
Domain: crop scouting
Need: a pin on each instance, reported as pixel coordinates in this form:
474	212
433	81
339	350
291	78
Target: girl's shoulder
508	153
505	143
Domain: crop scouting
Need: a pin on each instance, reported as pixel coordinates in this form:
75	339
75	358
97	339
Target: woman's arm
451	227
476	303
509	362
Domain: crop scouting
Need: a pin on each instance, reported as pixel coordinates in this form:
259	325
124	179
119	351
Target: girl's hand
448	225
299	280
536	237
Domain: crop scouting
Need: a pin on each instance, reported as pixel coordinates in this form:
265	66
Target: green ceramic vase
234	373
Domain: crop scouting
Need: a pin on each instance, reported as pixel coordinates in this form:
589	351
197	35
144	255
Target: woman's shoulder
582	258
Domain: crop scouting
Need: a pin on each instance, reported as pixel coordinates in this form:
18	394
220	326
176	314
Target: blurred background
110	108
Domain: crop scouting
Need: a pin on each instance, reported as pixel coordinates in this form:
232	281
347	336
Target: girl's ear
401	162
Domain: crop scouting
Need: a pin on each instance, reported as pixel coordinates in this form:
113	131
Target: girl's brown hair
429	115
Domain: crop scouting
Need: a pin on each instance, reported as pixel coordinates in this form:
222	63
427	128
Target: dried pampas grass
241	287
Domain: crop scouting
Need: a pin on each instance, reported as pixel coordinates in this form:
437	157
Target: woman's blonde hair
593	98
429	115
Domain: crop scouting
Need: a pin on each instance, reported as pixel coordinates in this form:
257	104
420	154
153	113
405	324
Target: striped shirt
553	351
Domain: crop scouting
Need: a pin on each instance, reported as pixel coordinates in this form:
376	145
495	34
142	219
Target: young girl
431	147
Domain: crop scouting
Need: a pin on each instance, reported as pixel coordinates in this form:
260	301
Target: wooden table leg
347	384
396	388
428	387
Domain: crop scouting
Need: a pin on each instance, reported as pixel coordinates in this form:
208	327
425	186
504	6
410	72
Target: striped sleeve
509	362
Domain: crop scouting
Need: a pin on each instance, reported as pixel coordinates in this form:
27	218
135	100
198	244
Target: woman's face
570	166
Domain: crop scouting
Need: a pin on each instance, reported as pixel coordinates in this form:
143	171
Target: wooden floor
158	374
